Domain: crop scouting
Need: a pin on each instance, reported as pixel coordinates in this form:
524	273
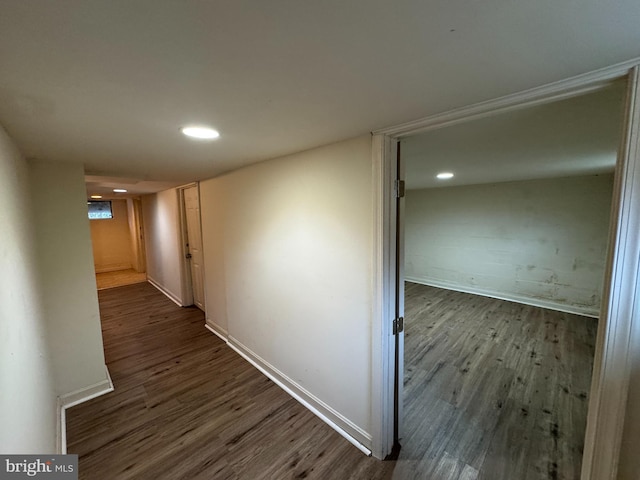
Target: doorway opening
191	233
504	264
606	411
118	244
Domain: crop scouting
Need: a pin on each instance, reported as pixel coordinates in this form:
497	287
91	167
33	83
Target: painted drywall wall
161	220
111	239
288	262
541	242
67	276
215	214
27	392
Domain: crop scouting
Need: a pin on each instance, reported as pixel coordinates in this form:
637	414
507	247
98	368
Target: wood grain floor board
119	278
493	390
517	376
187	406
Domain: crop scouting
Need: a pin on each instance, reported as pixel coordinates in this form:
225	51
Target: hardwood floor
186	406
494	390
119	278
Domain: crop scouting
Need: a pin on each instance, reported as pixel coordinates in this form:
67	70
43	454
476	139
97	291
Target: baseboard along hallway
186	406
494	390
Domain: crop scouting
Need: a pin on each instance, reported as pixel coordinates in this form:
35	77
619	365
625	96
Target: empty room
506	229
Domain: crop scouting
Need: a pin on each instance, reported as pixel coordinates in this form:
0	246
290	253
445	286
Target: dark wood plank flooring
494	390
186	406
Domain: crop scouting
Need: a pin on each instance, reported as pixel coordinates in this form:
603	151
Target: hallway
186	406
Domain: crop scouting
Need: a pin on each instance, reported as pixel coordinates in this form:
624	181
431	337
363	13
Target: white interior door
194	244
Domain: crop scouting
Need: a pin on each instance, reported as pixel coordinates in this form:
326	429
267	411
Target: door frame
185	265
619	318
136	230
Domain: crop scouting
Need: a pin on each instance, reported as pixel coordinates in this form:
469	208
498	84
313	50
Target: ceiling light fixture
119	190
444	175
96	196
199	132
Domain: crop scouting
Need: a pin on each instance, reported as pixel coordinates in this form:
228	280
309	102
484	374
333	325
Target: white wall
629	458
27	392
111	239
161	219
67	276
288	252
541	242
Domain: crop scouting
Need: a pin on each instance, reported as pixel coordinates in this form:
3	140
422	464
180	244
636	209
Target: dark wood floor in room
186	406
494	390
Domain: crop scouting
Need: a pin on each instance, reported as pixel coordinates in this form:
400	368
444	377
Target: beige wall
67	276
541	242
111	239
27	390
161	219
288	264
50	336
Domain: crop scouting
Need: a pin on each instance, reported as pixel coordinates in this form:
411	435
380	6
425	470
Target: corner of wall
217	330
75	398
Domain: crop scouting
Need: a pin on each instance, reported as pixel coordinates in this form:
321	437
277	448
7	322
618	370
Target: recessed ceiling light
119	190
96	196
444	175
202	133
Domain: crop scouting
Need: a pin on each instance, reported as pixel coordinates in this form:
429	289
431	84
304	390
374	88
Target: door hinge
399	188
398	325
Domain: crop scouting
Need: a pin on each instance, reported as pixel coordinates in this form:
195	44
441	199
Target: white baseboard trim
174	298
534	302
347	429
77	397
217	331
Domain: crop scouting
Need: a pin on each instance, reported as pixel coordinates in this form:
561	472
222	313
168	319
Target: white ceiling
109	83
104	186
577	136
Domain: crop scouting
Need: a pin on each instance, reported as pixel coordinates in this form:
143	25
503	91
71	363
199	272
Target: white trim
74	398
186	283
187	185
354	434
217	330
172	296
534	302
611	372
551	92
383	343
61	429
612	366
87	393
351	432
